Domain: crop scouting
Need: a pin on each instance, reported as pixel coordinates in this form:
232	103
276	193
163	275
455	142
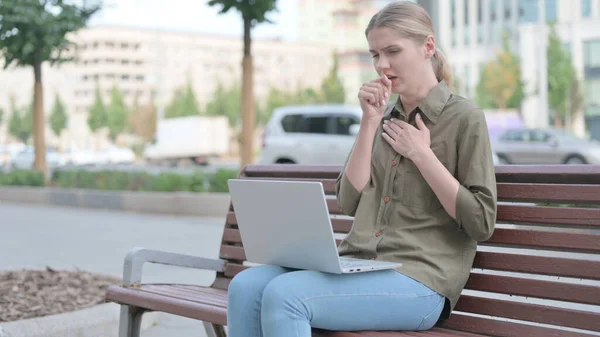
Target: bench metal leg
130	321
214	330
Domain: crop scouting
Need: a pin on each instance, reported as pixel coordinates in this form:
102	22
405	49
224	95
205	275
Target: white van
310	134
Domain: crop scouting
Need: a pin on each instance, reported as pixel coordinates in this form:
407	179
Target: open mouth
394	79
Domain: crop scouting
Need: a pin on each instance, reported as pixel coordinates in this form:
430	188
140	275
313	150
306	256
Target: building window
453	13
528	10
591	54
591	75
551	10
586	8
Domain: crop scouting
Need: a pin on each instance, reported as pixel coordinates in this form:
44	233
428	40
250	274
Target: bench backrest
541	265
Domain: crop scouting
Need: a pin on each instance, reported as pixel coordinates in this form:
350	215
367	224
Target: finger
376	89
420	124
387	127
382	87
374	96
394	127
376	93
386	83
367	97
388	139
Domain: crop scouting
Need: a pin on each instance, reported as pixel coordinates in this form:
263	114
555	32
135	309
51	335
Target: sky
195	16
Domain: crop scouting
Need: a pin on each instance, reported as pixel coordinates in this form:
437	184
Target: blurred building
469	32
143	62
471	35
341	25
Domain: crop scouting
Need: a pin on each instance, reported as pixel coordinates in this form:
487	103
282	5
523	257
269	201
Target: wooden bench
536	276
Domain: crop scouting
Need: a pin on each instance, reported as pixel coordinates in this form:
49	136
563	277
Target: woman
420	184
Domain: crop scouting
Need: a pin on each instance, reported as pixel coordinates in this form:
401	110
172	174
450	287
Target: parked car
26	158
312	134
544	146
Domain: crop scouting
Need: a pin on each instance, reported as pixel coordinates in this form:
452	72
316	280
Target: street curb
172	203
97	321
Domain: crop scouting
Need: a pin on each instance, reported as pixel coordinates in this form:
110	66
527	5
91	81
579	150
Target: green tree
143	117
253	12
143	121
225	102
500	85
20	124
278	98
564	94
58	117
33	32
116	112
184	102
97	116
332	89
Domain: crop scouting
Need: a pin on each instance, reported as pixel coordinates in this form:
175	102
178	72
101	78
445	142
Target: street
97	241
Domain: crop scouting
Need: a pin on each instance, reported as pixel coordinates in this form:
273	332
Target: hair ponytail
441	67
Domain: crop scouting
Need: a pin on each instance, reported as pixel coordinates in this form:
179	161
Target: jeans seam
260	332
431	313
377	294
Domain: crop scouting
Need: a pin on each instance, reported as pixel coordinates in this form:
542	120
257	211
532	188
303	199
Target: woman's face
402	60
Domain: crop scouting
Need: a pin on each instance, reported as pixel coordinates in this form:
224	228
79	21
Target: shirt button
394	162
386	199
378	234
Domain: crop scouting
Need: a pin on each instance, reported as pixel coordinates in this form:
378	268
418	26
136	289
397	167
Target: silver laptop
287	224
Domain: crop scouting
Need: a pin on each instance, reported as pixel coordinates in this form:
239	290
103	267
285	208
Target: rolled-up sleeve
347	195
477	196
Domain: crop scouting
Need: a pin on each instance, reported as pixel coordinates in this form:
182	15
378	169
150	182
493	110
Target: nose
382	64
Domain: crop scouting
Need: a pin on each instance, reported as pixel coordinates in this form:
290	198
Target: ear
429	46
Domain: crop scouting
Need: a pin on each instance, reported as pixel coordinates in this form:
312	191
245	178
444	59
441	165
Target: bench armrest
137	257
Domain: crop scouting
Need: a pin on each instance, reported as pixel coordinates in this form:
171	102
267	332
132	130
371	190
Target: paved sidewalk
65	238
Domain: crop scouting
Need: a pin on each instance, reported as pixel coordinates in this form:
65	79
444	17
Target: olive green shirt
398	217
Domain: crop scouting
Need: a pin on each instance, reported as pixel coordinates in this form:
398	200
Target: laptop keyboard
353	263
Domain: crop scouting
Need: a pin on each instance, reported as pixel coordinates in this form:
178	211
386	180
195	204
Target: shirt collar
433	104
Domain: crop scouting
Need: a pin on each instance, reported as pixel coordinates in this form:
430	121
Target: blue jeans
270	301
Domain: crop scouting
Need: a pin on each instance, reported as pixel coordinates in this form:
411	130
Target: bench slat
553	174
328	184
232	253
555	193
559	291
174	291
553	266
542	265
291	171
548	215
490	327
155	302
526	238
530	312
561	174
523	238
232	269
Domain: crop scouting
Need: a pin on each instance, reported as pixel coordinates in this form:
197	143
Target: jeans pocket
430	319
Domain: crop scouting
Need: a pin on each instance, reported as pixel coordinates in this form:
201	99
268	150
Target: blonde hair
411	21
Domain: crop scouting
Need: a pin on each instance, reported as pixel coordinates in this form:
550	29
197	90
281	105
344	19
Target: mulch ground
35	293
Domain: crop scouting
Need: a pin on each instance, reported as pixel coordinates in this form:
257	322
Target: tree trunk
247	106
39	140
